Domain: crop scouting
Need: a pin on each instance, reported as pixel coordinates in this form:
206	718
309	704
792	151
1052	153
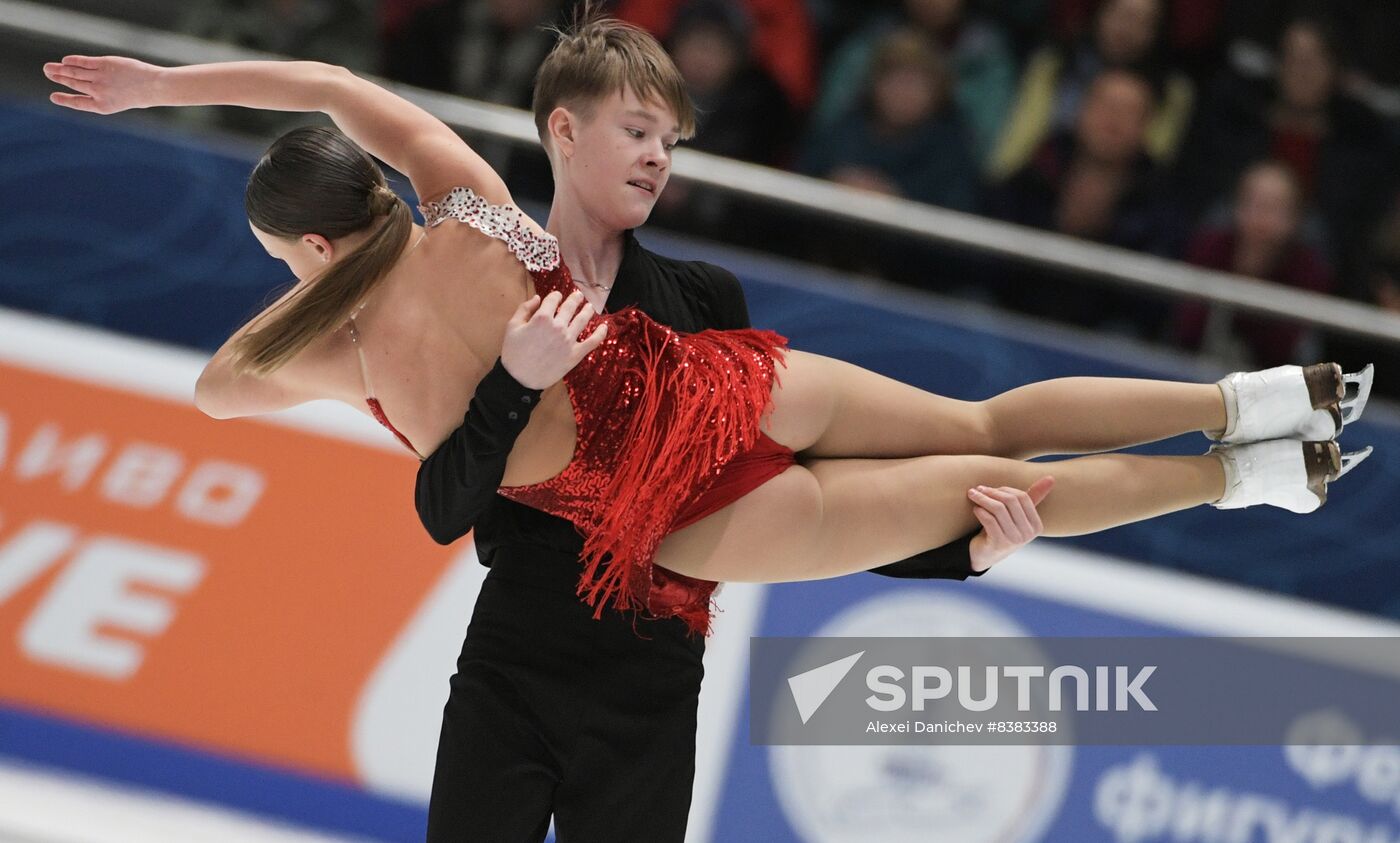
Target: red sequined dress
667	431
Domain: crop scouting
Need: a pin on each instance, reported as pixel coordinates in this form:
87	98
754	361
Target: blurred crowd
1259	137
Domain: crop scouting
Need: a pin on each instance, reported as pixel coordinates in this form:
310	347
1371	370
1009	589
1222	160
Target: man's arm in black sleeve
458	481
729	309
952	561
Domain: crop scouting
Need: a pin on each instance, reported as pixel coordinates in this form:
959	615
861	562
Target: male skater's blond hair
599	56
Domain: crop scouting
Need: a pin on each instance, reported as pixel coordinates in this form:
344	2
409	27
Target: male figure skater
552	711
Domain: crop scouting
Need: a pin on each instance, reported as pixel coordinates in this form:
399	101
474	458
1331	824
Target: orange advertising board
228	585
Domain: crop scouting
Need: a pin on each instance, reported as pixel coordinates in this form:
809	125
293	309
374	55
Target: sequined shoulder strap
537	249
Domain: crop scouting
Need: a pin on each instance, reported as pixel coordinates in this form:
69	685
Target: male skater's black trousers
553	712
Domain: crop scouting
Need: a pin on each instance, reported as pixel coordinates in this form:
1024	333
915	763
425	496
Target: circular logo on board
920	794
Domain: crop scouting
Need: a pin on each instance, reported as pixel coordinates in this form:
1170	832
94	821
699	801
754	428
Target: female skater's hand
542	344
1009	519
105	84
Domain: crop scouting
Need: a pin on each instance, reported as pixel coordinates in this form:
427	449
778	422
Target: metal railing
939	225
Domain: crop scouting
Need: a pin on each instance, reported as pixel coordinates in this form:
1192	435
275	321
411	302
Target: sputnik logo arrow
810	689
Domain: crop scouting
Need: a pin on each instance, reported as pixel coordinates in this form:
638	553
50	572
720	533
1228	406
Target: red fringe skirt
668	432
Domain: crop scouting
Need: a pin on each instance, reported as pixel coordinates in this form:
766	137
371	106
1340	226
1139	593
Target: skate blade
1355	401
1352	460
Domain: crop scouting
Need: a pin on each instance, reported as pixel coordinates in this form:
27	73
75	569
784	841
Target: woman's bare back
430	331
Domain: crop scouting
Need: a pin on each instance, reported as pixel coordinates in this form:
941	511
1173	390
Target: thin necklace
603	287
592	284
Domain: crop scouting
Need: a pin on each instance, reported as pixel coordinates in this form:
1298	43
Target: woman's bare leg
830	408
835	517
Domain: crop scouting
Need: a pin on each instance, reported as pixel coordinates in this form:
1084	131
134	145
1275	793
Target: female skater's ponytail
316	181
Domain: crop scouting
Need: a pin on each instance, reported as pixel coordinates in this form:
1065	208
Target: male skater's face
622	158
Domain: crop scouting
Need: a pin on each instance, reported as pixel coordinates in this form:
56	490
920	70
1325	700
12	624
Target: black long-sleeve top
457	483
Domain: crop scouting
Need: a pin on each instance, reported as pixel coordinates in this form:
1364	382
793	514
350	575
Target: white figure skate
1294	402
1287	473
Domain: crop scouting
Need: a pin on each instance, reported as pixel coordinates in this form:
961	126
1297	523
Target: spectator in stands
1191	29
1383	273
394	15
1334	144
982	65
333	31
782	41
1263	240
1127	34
1369	34
482	49
1382	281
1097	183
743	114
905	137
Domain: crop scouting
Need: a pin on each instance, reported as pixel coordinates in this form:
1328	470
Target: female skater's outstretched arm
386	125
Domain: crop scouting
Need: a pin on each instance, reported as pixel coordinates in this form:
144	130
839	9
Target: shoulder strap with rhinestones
537	249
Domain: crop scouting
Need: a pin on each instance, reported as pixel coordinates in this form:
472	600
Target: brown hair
911	49
316	180
597	56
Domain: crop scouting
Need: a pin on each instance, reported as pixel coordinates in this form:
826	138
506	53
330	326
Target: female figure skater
658	435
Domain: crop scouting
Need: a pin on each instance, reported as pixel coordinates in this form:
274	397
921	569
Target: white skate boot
1287	473
1293	402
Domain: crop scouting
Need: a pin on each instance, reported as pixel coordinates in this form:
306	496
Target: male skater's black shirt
457	484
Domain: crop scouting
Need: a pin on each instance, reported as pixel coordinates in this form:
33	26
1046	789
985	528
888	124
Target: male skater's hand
104	84
541	343
1009	519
